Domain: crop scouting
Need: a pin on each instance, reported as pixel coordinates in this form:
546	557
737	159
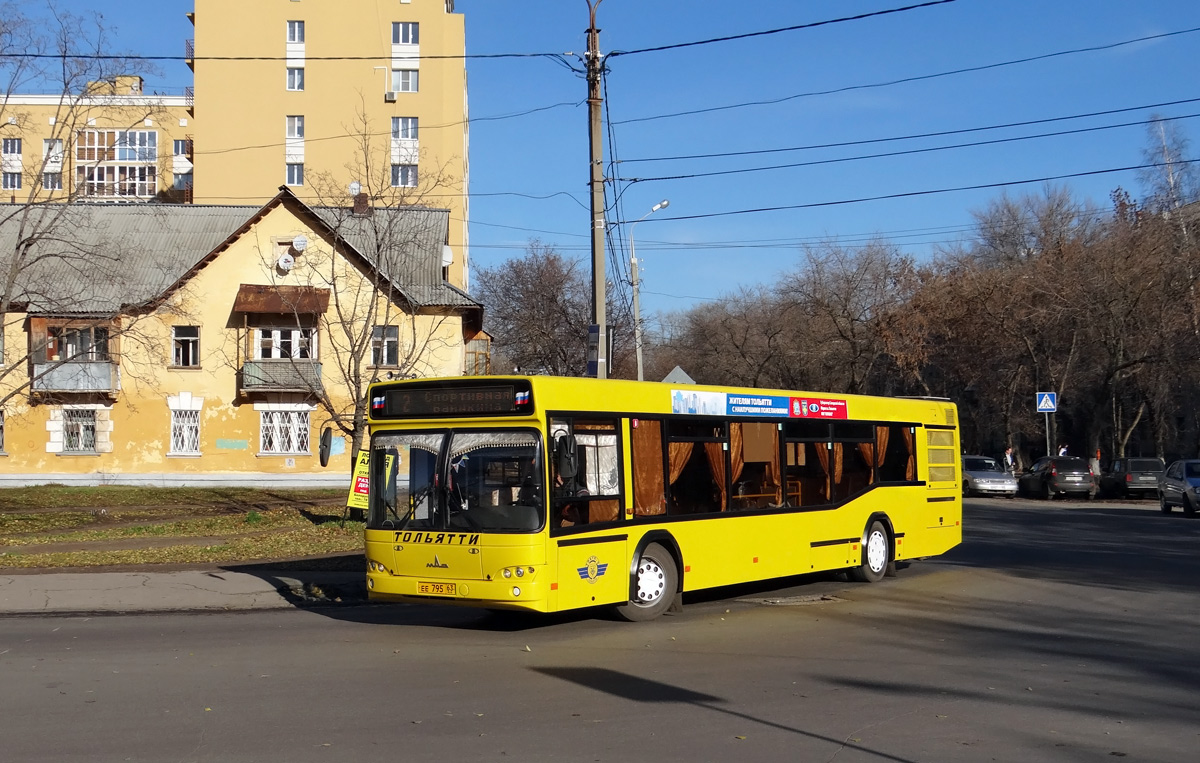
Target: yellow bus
546	494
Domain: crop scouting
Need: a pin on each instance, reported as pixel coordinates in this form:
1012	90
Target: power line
780	30
906	152
929	192
917	78
914	136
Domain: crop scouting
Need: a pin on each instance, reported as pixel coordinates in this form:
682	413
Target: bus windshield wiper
414	501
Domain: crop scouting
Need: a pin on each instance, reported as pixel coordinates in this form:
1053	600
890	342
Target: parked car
1058	475
1132	476
985	476
1180	484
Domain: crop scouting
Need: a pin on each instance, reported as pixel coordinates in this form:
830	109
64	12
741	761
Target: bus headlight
520	572
516	591
507	572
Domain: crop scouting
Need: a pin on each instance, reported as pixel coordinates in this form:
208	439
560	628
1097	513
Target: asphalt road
1056	632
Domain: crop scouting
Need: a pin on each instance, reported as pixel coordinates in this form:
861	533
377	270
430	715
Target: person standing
1010	461
1062	449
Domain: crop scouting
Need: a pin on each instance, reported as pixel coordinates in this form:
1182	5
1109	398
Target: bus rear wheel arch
877	558
654	585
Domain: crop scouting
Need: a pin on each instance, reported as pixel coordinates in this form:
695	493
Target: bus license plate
436	589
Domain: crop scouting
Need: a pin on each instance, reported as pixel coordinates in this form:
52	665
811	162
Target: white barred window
79	430
185	433
284	432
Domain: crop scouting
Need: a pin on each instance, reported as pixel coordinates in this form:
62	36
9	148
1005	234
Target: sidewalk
187	591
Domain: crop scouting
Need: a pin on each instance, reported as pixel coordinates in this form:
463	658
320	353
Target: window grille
284	432
79	431
185	432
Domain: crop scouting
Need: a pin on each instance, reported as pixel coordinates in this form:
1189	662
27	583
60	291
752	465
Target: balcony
189	98
76	376
280	376
189	53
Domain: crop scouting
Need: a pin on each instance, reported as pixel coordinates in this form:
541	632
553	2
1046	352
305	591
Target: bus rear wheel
656	583
876	555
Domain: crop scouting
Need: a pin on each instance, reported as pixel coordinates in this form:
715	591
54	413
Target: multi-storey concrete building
319	94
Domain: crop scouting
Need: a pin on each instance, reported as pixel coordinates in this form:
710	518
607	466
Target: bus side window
754	463
646	454
697	456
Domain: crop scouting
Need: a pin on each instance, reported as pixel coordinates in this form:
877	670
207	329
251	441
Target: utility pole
599	331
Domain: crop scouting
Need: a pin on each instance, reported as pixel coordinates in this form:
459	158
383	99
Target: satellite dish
300	243
355	188
326	445
286	262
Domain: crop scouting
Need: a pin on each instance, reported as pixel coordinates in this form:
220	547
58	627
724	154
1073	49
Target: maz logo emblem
438	563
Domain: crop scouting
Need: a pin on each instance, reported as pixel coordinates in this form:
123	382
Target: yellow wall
243	105
229	429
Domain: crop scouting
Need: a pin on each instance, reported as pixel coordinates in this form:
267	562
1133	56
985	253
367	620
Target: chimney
362	206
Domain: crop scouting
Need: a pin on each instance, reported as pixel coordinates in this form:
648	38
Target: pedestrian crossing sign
1047	402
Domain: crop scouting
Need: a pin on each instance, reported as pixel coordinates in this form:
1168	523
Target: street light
637	312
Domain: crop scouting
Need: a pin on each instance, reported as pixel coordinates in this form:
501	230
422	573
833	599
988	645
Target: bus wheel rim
876	551
651	582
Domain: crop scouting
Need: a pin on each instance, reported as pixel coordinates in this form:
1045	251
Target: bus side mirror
326	445
566	457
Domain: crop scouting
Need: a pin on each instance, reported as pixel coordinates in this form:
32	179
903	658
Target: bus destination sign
444	401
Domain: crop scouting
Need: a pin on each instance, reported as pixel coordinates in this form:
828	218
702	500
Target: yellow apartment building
210	345
320	94
111	142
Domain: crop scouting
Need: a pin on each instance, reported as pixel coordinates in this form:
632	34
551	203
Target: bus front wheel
876	555
655	585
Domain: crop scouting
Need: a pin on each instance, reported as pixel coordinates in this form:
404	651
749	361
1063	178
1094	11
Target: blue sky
529	146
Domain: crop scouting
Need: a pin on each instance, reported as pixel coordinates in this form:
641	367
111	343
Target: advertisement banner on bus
757	405
818	408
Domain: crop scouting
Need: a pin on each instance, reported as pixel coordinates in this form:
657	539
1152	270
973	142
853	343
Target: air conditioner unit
390	96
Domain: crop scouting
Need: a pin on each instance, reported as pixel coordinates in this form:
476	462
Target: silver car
985	476
1180	485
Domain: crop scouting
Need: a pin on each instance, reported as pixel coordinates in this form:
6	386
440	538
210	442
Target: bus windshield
479	480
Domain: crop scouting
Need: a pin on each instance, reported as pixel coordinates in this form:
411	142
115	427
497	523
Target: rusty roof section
281	300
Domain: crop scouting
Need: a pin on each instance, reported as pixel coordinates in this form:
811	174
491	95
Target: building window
79	431
137	146
385	346
52	181
52	150
87	344
404	80
186	343
11	181
404	128
282	343
404	175
283	432
10	146
295	31
478	357
180	147
185	433
136	180
295	127
1	431
183	181
295	78
295	174
406	33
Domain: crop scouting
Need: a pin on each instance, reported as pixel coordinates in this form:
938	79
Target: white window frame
404	176
387	340
295	173
295	31
284	342
178	345
52	151
284	431
295	78
78	425
10	181
52	181
185	433
10	146
137	146
406	33
404	128
406	80
295	126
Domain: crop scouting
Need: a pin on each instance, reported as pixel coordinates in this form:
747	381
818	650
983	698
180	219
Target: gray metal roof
98	258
